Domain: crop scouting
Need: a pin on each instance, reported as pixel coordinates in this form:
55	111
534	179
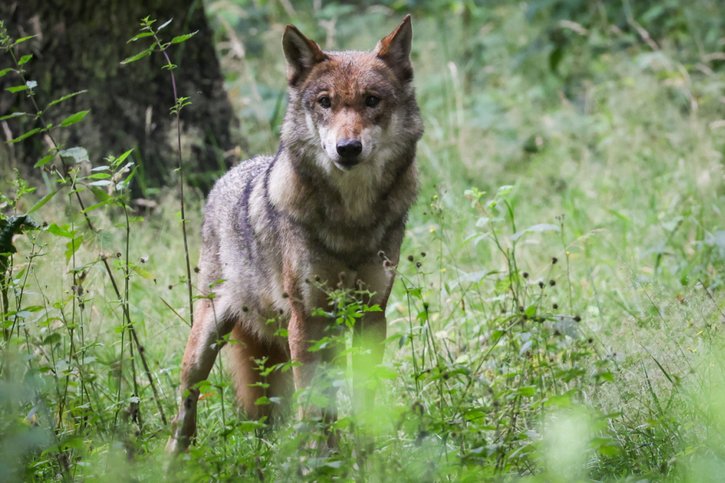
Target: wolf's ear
301	54
394	49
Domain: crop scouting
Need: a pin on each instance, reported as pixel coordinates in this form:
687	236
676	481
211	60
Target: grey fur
275	223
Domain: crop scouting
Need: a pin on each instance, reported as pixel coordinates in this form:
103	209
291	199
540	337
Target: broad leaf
16	89
58	230
65	98
76	154
44	160
117	162
139	56
25	135
140	36
13	115
23	39
42	201
72	246
74	118
183	38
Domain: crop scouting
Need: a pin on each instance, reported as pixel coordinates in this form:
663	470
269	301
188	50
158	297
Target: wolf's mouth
346	165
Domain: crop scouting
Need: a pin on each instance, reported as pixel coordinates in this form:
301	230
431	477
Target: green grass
501	363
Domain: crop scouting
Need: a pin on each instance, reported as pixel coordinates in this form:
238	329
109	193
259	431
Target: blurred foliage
559	308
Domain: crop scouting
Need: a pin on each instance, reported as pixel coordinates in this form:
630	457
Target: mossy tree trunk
80	44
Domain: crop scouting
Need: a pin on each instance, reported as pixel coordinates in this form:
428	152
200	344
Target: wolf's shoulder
228	187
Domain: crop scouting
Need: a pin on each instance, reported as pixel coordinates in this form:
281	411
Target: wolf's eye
372	101
325	102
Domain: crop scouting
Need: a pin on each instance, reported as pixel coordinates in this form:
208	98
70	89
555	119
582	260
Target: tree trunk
80	44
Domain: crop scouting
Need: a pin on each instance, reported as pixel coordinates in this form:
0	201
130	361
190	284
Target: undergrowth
558	309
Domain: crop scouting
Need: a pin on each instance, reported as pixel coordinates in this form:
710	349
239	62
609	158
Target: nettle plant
494	350
52	332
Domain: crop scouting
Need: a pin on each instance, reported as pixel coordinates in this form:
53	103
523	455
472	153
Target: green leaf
139	36
72	246
100	204
42	201
4	72
74	118
23	39
52	339
58	230
13	115
526	391
25	59
16	89
415	292
100	182
385	372
44	160
99	176
65	98
143	273
117	162
144	53
25	135
530	311
76	154
183	38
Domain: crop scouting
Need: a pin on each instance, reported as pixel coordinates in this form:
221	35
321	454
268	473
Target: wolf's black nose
349	148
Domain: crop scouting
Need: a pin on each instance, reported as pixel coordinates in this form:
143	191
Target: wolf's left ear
394	49
301	53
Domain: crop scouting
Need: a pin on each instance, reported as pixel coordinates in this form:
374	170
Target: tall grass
558	312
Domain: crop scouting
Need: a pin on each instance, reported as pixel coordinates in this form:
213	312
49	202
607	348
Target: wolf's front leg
303	331
205	341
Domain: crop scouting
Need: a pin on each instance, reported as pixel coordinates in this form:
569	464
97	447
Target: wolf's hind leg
244	353
203	345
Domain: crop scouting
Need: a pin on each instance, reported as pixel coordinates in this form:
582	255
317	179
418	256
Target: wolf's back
224	230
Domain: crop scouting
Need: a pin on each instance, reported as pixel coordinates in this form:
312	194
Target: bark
80	45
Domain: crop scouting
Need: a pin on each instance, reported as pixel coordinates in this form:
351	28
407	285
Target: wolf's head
351	109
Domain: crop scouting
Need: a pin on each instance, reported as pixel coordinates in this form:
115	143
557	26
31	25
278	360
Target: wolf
328	209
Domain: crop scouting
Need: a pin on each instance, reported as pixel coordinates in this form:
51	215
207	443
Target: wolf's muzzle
349	150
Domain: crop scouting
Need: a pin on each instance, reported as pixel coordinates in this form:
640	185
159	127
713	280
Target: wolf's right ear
301	54
394	50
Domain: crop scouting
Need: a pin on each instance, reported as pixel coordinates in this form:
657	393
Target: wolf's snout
349	149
